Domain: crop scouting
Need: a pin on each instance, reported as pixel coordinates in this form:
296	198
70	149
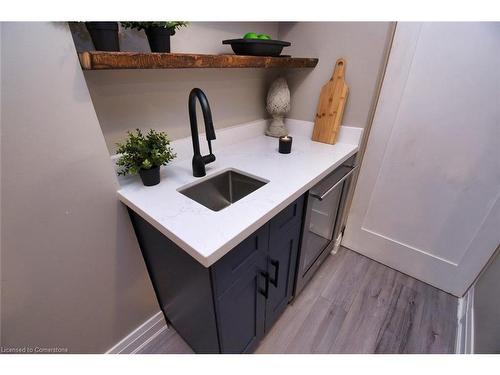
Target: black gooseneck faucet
200	161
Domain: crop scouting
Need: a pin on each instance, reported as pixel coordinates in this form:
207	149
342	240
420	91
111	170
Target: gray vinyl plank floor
354	305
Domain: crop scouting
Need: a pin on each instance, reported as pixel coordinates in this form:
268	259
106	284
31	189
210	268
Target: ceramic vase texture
278	105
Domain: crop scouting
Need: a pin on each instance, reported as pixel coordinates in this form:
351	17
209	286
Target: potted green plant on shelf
144	155
104	35
158	33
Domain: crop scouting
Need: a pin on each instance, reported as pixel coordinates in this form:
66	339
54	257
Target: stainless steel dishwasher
323	220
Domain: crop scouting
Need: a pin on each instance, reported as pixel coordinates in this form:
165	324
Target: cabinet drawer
288	217
232	265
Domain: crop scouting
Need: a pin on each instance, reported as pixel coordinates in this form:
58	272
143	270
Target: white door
427	198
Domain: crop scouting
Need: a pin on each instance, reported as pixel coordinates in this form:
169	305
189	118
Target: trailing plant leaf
143	152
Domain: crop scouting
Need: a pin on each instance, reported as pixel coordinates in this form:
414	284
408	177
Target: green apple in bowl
263	36
251	36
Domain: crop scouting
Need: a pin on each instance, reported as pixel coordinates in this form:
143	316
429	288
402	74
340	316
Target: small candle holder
285	146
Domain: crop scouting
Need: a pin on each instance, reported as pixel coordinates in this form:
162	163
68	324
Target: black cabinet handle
276	265
265	291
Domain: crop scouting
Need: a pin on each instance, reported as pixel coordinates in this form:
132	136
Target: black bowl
257	47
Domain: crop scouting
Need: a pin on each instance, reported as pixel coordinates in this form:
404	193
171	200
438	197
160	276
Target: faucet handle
208	158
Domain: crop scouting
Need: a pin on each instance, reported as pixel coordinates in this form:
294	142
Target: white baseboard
465	327
140	336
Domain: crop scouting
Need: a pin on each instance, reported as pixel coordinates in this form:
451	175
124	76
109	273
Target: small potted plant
158	33
104	35
144	155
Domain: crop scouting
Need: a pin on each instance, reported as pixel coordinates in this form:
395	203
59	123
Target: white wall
157	99
364	46
72	272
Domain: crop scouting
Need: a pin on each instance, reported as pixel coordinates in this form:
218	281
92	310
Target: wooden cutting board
331	105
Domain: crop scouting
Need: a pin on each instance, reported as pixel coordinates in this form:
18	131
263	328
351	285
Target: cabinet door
241	285
284	238
241	310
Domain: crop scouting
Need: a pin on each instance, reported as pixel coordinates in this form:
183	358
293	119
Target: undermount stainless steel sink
223	189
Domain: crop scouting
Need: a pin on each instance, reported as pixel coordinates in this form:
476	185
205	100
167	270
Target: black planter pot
150	177
104	35
159	38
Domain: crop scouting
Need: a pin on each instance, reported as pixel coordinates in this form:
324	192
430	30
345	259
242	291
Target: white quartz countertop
208	235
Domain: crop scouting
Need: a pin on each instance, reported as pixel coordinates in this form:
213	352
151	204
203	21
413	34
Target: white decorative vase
278	104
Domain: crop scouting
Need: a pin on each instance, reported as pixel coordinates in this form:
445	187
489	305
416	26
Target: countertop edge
170	235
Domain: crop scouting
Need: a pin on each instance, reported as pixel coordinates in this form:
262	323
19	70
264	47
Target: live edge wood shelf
95	60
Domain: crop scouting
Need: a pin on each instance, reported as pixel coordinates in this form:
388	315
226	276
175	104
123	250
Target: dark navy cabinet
241	313
228	307
240	280
285	229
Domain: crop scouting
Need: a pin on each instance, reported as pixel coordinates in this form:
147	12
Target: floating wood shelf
95	60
